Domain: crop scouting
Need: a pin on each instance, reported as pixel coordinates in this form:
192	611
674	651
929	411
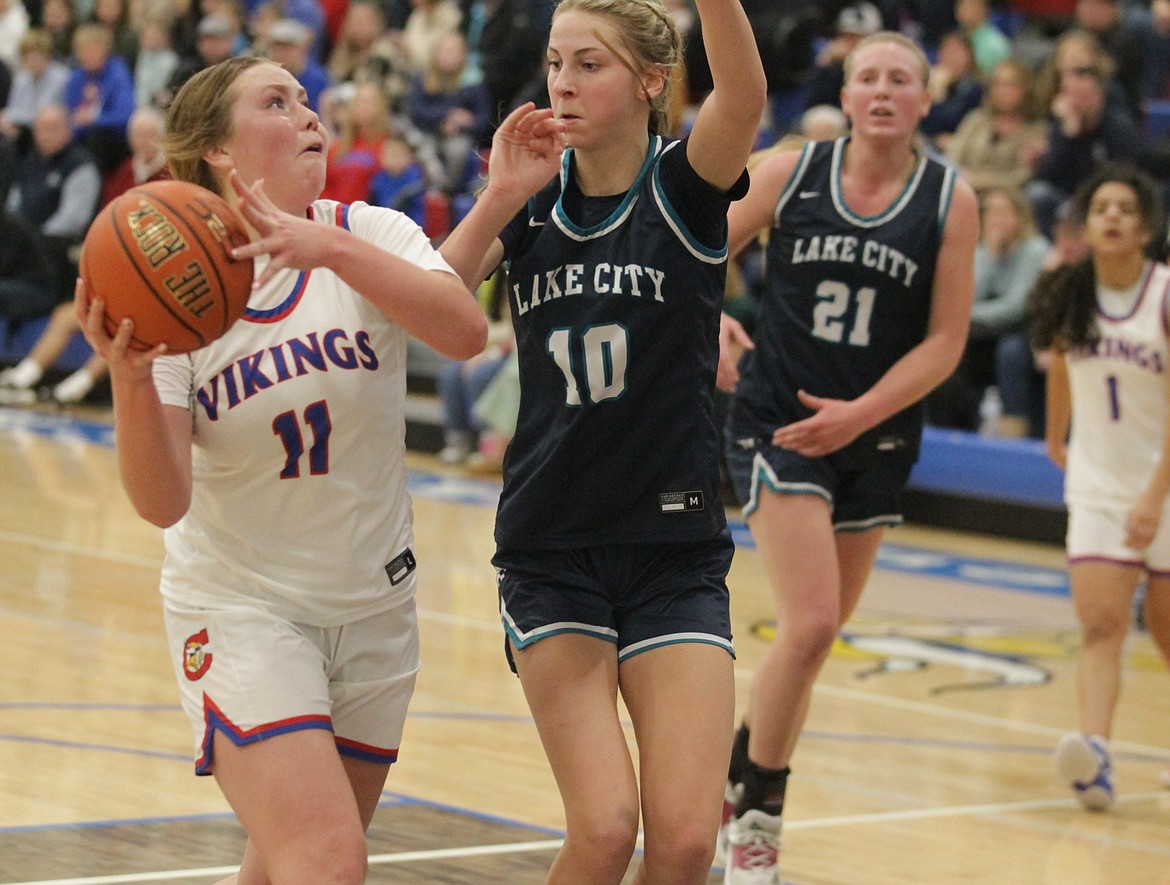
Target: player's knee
336	857
608	837
679	855
809	635
1100	627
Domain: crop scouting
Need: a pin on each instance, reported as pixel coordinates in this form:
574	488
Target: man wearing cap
215	41
855	22
290	45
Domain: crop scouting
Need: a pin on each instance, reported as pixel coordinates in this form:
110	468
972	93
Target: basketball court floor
926	760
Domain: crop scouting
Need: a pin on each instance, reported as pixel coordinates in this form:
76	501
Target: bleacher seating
17	339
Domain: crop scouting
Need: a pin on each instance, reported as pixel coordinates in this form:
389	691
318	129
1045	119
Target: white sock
25	374
74	388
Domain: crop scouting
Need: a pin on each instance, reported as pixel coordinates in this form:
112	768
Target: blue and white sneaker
1083	761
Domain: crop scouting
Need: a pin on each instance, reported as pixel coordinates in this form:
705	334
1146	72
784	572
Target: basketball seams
212	264
176	215
134	254
108	323
176	279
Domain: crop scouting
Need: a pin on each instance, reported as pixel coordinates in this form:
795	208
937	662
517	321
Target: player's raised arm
725	129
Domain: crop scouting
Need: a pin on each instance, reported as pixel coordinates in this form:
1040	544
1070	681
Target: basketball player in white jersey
1106	320
274	460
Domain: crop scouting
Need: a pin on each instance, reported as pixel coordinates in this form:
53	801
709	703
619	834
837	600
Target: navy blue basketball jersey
615	302
847	296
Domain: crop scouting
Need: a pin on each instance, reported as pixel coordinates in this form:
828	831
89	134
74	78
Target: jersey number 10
606	350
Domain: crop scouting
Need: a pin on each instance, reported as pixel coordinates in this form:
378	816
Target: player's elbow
163	512
466	337
163	518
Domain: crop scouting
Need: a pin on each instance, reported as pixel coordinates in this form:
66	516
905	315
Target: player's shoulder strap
802	164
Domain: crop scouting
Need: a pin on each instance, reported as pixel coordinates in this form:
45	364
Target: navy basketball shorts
859	498
637	596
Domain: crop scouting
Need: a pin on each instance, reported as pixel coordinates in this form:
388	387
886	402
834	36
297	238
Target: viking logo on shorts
196	658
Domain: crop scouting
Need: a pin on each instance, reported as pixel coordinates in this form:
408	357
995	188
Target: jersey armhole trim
675	222
794	180
946	192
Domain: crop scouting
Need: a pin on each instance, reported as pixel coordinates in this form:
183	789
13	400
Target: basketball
160	254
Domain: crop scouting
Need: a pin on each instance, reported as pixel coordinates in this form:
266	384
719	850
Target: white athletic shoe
17	396
1083	761
18	384
26	373
75	388
753	849
731	794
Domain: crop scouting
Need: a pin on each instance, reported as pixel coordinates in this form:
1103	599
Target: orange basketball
160	254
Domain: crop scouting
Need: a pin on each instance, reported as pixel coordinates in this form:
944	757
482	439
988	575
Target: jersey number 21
829	316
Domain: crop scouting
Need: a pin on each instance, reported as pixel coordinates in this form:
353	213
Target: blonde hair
1048	80
200	118
1030	107
383	123
889	37
36	40
1025	218
648	36
95	34
436	80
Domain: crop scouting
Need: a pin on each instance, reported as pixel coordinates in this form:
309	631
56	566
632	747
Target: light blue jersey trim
882	217
945	194
675	223
863	525
619	214
522	640
763	474
624	654
793	182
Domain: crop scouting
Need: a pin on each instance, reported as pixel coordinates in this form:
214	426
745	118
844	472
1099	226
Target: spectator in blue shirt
39	81
100	96
453	115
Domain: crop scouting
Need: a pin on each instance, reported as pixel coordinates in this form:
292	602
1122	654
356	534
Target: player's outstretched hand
124	362
526	150
289	240
733	341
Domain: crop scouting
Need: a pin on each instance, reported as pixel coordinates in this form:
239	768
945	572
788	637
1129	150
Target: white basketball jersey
299	501
1119	399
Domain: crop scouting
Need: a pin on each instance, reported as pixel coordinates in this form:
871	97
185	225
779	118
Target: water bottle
990	411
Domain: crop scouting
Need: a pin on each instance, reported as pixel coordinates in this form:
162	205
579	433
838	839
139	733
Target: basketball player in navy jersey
1105	320
868	296
612	544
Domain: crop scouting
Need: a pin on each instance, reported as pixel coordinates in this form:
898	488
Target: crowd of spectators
1029	96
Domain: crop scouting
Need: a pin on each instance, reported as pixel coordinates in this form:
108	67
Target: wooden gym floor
926	760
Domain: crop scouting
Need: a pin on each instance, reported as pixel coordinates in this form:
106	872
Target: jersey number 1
606	349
